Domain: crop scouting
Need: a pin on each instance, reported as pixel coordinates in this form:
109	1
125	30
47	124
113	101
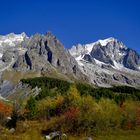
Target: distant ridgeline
52	87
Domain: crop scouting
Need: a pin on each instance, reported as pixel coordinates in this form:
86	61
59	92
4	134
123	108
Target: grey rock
103	63
7	57
132	60
45	52
112	51
5	87
108	62
12	130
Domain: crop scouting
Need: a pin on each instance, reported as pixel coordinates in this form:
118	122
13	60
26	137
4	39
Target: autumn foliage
6	109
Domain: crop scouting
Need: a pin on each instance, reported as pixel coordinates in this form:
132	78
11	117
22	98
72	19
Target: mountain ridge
39	54
111	45
103	63
107	62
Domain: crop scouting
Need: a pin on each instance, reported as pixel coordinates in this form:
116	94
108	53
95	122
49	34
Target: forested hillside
75	109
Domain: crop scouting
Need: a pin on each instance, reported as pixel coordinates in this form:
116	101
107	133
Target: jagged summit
87	48
39	53
104	42
104	62
13	35
105	56
50	34
12	39
108	51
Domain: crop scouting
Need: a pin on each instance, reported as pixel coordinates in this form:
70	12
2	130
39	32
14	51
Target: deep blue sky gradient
74	21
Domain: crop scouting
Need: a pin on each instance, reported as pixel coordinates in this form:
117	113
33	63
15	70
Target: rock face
46	53
38	53
6	87
108	62
132	60
11	40
103	63
109	51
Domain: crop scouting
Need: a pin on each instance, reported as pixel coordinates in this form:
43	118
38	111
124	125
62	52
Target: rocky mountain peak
41	54
109	51
50	34
109	43
104	42
13	35
102	62
12	39
106	57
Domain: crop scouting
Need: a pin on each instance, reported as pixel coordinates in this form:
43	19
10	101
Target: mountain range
108	62
103	63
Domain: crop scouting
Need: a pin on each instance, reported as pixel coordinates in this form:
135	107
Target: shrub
97	117
108	115
31	108
14	116
51	106
129	115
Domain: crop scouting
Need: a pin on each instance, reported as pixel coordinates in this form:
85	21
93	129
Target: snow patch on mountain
89	47
108	62
10	47
79	59
99	62
11	39
117	65
102	52
106	41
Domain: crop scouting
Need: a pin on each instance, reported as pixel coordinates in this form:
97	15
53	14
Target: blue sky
74	21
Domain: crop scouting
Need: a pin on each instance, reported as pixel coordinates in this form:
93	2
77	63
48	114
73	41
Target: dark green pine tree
31	107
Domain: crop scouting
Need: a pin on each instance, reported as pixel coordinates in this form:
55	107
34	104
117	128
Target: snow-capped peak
12	39
79	49
109	51
106	41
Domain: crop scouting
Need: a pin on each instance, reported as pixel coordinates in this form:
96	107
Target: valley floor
34	133
122	135
117	135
